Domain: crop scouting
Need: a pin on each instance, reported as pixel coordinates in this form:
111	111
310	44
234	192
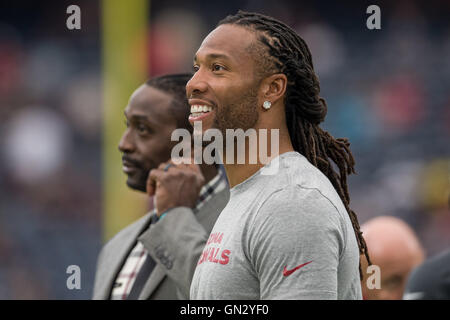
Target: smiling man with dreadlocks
289	235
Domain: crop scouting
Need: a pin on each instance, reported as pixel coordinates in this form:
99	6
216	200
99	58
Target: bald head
395	248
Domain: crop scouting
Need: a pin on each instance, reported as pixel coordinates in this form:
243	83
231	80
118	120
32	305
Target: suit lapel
206	216
159	272
121	249
157	275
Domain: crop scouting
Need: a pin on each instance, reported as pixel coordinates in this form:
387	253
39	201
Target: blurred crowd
50	155
387	91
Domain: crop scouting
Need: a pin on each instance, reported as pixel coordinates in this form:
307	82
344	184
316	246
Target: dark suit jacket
175	243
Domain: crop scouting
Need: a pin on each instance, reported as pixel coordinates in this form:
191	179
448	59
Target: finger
189	164
152	179
181	160
167	165
178	165
185	162
184	159
194	167
163	165
150	187
156	174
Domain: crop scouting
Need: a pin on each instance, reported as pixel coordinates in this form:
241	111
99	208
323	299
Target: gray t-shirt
282	236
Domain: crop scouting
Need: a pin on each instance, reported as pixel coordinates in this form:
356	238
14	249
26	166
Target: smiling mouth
199	110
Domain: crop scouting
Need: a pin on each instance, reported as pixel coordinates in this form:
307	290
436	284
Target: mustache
200	97
131	161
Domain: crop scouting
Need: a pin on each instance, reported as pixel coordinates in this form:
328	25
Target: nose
126	144
197	84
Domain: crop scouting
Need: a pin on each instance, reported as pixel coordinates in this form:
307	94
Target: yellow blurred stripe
124	68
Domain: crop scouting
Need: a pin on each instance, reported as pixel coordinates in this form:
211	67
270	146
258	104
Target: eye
195	68
217	67
142	128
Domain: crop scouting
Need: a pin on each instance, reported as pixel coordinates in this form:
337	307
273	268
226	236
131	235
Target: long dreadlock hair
286	52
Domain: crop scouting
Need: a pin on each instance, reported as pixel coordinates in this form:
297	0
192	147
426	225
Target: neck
237	173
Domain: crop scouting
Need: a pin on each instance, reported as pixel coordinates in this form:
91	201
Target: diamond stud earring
267	105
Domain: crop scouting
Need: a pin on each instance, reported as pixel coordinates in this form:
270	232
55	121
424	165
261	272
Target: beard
241	114
139	180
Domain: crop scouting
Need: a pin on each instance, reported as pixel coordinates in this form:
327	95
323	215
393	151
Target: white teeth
200	109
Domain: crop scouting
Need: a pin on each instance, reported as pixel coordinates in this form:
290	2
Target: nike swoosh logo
287	272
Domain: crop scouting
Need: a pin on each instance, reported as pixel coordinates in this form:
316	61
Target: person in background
155	258
395	248
430	280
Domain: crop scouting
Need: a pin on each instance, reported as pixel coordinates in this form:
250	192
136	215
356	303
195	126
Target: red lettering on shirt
225	257
215	237
212	253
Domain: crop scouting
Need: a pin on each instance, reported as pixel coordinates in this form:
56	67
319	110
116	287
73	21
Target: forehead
233	41
151	103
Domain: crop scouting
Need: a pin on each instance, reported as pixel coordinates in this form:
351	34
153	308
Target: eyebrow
214	56
138	117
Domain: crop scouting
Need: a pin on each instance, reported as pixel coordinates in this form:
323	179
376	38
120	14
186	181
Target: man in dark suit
155	257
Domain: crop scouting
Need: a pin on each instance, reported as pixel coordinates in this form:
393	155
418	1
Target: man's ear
274	87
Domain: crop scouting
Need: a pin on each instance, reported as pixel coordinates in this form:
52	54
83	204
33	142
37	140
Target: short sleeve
295	243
